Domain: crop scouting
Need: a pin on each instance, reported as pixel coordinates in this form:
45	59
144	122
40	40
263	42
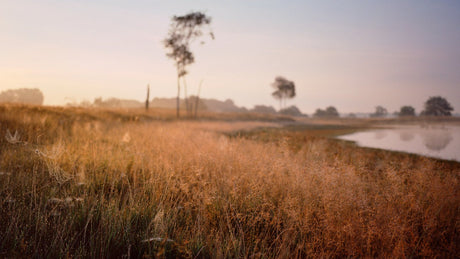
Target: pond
439	141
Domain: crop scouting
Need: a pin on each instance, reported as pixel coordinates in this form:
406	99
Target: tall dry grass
102	187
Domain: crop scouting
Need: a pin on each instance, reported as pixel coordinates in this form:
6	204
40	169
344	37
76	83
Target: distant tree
351	115
111	102
115	102
283	89
198	103
263	109
292	111
406	111
437	106
330	112
379	112
184	29
319	113
22	95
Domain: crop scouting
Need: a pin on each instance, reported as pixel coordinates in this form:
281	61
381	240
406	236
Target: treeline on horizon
434	106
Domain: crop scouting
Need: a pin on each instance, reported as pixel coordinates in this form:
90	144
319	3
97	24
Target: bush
263	109
406	111
23	95
292	111
330	112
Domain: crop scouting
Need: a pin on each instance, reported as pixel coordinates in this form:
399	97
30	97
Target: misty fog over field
239	129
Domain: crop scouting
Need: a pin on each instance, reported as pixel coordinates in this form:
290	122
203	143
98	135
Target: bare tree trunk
178	97
187	108
197	101
147	100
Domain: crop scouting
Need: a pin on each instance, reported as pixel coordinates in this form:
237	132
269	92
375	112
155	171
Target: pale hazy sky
350	54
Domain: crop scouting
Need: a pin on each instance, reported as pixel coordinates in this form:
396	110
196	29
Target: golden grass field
110	183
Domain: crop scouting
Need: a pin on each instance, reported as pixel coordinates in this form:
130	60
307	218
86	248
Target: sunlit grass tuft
90	185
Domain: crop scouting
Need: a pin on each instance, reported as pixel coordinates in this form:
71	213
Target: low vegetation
107	183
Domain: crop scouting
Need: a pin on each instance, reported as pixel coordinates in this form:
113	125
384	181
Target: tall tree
437	106
283	89
184	29
197	99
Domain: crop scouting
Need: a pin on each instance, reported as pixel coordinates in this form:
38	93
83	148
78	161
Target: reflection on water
380	134
434	140
437	140
406	135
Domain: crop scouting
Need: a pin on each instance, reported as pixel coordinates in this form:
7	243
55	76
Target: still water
438	141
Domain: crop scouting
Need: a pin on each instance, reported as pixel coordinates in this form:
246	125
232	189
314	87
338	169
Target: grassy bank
99	183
